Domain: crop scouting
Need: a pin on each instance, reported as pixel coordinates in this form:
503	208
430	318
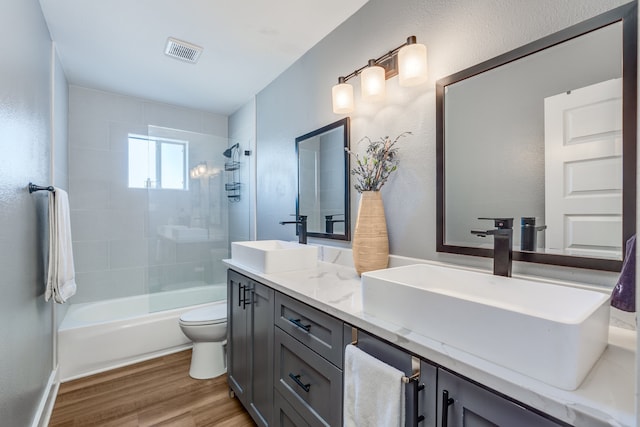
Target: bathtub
98	336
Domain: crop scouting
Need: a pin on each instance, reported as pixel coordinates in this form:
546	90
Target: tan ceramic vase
370	240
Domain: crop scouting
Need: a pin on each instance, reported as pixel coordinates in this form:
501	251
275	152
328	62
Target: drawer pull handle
417	388
446	402
296	378
300	325
247	299
240	287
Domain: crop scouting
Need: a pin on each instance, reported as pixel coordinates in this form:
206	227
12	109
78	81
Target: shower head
229	151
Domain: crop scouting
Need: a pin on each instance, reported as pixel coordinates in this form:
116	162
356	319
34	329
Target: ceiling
118	45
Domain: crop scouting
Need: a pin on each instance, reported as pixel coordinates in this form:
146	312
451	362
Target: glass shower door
188	220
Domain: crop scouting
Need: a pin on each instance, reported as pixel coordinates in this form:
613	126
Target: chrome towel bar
414	380
415	362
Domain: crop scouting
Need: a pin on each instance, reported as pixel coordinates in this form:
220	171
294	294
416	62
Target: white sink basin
549	332
274	256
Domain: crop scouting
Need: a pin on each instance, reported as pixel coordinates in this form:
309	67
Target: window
157	163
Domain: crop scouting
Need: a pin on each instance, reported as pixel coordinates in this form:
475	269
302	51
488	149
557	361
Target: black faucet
502	244
329	221
301	228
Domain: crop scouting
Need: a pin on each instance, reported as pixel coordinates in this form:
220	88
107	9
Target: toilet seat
209	315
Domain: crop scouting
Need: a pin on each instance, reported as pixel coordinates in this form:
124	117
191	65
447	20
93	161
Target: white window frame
158	162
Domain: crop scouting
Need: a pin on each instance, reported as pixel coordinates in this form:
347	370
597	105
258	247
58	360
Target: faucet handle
502	223
480	233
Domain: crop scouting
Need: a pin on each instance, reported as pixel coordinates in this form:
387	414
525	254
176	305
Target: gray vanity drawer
318	397
315	329
284	414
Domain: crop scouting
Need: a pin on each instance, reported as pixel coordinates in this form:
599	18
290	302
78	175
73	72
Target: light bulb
412	63
372	80
342	96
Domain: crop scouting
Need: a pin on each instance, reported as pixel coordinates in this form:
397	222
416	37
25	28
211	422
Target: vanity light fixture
408	60
202	170
198	170
372	82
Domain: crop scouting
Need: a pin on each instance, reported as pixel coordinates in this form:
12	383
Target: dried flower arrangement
374	167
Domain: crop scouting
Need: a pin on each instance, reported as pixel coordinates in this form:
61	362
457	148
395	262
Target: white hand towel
61	283
373	391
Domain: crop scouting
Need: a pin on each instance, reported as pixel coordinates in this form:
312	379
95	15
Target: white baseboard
48	399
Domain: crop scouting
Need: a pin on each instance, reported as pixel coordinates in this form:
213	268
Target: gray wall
458	34
114	227
60	158
26	335
60	150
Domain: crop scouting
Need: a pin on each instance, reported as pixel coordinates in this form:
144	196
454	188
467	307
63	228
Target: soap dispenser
529	233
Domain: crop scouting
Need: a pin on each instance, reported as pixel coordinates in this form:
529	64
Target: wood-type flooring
157	392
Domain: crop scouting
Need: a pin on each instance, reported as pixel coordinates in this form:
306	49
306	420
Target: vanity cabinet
308	365
463	403
250	348
285	364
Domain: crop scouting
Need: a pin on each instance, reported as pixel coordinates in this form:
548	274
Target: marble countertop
606	396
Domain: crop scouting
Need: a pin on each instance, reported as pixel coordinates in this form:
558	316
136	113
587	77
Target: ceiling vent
182	50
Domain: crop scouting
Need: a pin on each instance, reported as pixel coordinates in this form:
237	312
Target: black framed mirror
508	133
323	181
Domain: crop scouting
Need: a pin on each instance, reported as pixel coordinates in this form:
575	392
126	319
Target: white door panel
588	121
583	171
593	177
590	235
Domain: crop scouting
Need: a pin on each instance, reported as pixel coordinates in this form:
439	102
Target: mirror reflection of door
309	202
323	180
583	170
332	177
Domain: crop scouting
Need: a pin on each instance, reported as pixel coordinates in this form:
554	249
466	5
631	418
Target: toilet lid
208	315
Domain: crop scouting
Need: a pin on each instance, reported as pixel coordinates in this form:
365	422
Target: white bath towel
61	281
373	391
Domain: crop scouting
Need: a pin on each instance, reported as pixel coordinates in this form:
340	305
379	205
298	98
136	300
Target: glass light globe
372	80
412	65
342	95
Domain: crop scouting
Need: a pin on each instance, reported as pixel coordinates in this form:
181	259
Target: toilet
207	328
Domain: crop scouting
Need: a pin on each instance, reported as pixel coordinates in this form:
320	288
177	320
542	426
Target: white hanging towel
61	281
373	391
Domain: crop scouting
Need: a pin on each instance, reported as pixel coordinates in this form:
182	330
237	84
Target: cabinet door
238	335
474	406
261	308
427	396
423	392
